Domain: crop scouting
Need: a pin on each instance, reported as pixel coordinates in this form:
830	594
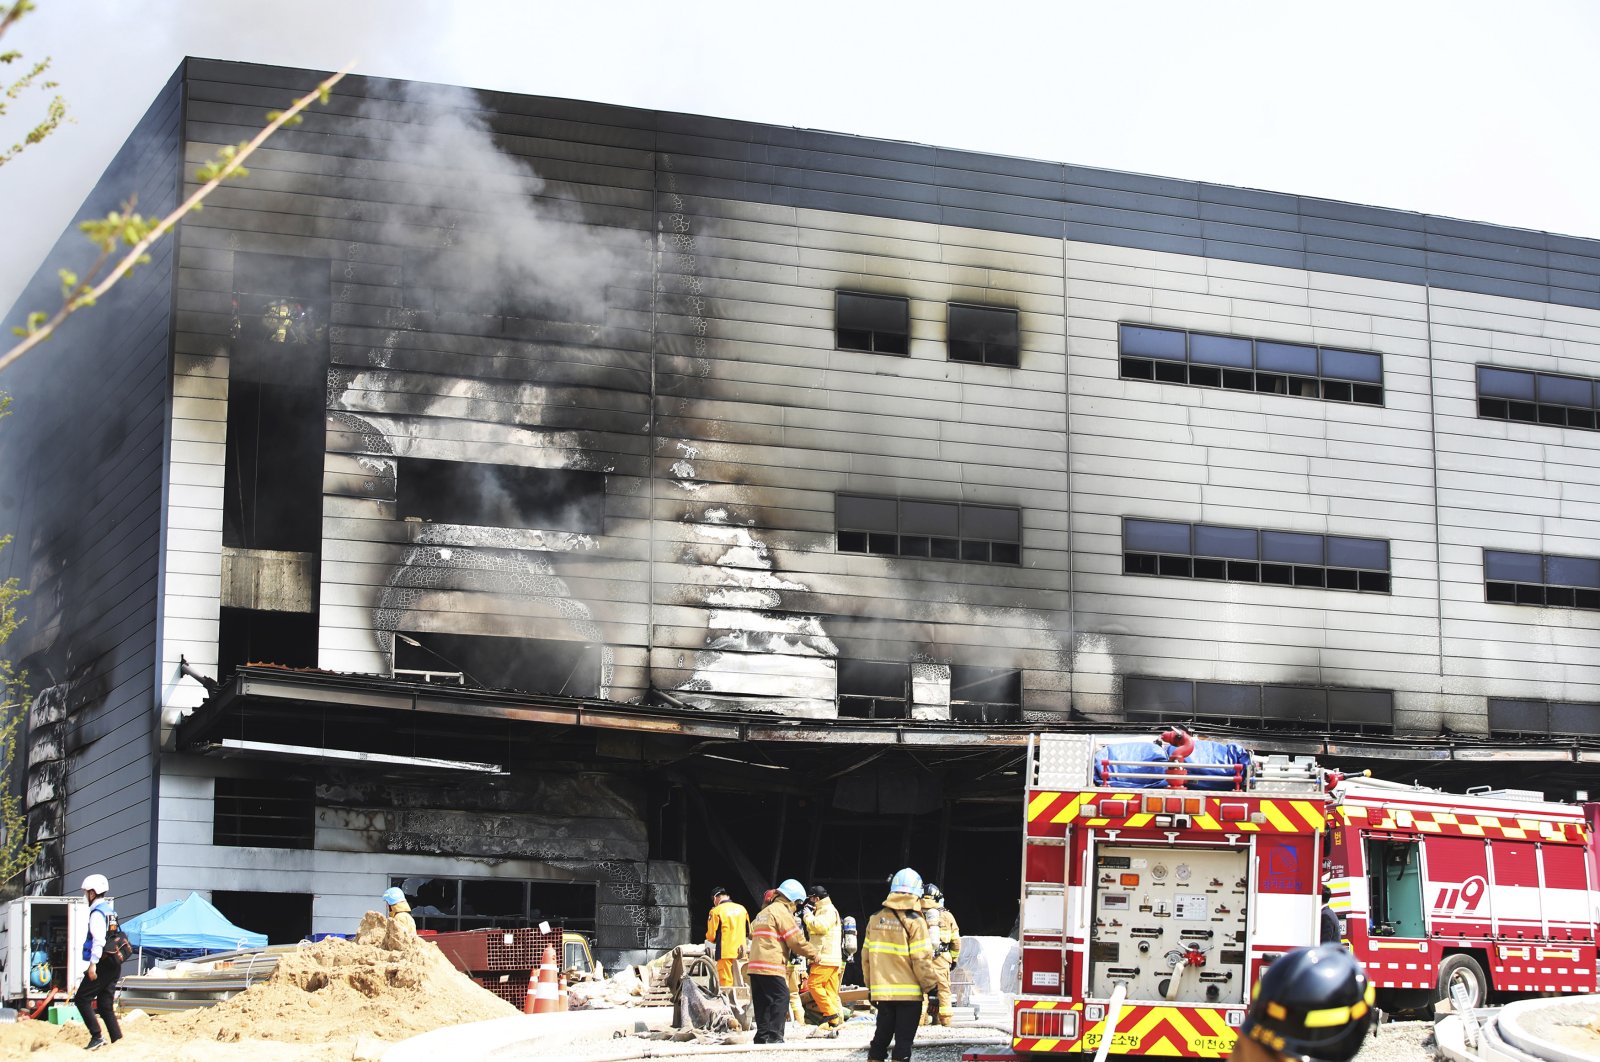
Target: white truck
48	927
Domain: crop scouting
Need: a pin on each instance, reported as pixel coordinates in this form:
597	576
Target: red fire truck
1494	890
1154	891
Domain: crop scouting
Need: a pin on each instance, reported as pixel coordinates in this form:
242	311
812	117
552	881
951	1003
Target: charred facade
467	392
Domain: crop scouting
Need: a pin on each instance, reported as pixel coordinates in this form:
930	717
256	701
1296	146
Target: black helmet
717	892
931	891
1313	1004
818	892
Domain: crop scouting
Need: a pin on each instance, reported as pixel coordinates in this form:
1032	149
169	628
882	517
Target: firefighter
401	927
823	930
897	964
1311	1005
774	937
945	938
728	933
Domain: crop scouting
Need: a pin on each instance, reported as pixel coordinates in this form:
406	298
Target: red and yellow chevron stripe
1050	812
1154	1031
1463	824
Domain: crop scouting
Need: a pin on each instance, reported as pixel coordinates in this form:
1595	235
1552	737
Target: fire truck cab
1154	890
1493	890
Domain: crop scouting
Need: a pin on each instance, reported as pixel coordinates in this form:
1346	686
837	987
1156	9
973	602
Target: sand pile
337	994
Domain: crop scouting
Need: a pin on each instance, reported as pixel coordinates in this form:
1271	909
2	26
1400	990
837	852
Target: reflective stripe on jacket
822	926
896	959
728	927
774	936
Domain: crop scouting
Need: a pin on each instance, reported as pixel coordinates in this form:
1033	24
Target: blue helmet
906	881
394	895
792	890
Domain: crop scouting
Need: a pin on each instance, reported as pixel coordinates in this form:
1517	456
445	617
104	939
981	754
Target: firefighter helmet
1313	1004
718	893
907	881
930	891
792	890
393	895
817	892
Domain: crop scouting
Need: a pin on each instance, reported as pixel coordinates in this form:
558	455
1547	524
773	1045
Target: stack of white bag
987	976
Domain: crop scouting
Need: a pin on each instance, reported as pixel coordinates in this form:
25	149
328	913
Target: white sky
1464	108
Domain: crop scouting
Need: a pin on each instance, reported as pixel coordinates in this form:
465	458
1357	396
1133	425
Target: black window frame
1548	714
1501	588
863	703
1273	562
1304	382
1530	407
871	340
1258	705
263	813
1009	356
458	920
988	709
912	536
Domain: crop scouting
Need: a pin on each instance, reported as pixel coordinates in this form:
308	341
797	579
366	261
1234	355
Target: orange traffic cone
544	993
561	998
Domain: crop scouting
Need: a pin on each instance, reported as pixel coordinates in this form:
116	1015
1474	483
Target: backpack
118	946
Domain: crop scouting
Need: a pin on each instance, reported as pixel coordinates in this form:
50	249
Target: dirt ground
335	999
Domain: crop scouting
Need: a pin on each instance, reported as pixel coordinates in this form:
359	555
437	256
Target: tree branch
230	159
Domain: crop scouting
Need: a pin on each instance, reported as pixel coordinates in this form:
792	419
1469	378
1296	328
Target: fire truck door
1394	885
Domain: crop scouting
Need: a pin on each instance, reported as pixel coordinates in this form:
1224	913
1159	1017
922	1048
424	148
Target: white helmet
98	883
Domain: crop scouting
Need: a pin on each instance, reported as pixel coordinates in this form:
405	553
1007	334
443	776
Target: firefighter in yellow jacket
945	936
823	929
727	930
774	936
897	964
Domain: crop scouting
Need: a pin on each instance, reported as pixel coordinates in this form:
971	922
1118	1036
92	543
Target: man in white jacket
99	989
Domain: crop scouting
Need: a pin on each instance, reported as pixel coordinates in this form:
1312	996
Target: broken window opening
986	335
874	689
285	917
985	694
532	665
876	324
257	636
485	495
277	404
448	905
263	813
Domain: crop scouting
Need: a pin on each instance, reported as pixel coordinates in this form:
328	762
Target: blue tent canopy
191	924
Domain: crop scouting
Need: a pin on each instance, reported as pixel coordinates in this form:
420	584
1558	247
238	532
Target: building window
485	495
1200	359
982	334
872	689
1267	707
879	324
1245	555
1514	718
900	527
1541	579
1538	398
498	662
263	813
447	905
985	694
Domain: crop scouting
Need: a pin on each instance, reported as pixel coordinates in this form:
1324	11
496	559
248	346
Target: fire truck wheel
1463	970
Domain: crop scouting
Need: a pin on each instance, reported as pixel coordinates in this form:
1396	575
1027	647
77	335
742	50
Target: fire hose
1113	1014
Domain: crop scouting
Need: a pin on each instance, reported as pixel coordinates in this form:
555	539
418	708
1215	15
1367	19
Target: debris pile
631	986
345	996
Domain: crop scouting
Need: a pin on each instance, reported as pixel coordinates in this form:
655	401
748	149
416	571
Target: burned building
557	509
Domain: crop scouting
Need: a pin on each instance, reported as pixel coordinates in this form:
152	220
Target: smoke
479	228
